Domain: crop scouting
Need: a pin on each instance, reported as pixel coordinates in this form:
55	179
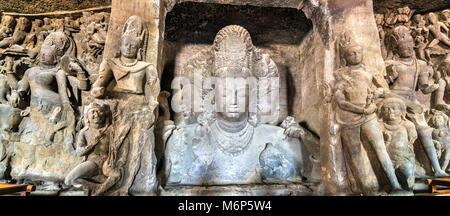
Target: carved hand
14	99
98	92
430	88
294	131
370	109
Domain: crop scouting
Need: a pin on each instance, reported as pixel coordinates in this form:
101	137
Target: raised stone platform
304	189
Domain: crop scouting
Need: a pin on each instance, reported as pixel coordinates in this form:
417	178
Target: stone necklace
128	64
229	138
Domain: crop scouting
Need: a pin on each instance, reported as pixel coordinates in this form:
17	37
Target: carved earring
139	54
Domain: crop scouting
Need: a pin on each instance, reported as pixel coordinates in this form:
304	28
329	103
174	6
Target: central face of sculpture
231	67
232	97
129	46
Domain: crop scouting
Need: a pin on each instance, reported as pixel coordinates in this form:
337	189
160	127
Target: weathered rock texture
42	6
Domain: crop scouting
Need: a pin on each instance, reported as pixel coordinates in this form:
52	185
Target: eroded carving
355	95
406	75
135	92
399	136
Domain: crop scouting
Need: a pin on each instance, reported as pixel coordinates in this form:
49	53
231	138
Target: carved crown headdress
233	44
135	28
346	41
63	43
401	33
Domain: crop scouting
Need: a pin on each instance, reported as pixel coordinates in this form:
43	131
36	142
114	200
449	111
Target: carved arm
105	76
347	106
152	86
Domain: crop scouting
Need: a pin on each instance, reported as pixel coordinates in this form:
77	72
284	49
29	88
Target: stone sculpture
440	97
441	137
435	28
81	102
399	136
406	75
50	127
94	144
228	145
356	115
7	27
135	92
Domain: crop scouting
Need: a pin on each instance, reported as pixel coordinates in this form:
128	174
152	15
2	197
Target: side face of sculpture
227	145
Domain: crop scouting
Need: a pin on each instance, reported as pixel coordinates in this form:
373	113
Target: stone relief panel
430	32
355	94
132	86
44	72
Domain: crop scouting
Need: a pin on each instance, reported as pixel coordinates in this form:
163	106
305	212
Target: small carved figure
94	143
419	26
441	136
406	75
7	26
401	16
20	32
48	27
94	38
435	28
356	114
446	14
421	49
440	97
380	23
399	137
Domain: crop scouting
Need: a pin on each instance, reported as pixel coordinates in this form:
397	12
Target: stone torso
97	137
397	142
43	86
355	89
406	77
356	92
129	79
195	160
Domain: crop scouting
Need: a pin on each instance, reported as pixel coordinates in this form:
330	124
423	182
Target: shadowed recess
199	23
